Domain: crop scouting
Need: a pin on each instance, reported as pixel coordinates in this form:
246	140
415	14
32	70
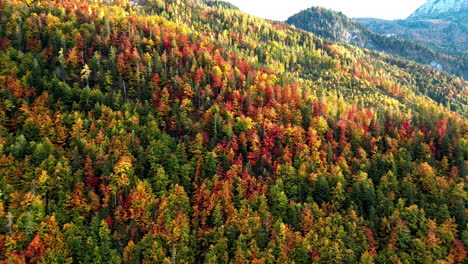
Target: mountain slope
175	132
337	27
434	7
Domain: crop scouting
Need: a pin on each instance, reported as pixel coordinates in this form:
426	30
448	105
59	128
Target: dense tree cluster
178	132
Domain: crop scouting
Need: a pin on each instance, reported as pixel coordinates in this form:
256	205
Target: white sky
282	9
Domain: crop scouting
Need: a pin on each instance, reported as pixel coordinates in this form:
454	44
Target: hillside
337	27
179	132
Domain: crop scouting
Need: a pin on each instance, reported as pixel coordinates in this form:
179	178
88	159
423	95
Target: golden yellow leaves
43	177
85	72
123	171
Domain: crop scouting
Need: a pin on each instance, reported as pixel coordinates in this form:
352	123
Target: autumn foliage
180	132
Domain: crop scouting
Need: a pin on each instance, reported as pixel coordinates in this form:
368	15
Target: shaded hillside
337	27
175	132
220	4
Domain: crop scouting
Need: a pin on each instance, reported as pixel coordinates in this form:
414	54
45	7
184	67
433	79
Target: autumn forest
183	131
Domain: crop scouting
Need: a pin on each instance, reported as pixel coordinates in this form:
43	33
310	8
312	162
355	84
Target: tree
56	250
322	190
36	250
85	73
278	200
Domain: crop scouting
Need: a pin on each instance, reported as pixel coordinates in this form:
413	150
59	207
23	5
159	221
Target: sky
282	9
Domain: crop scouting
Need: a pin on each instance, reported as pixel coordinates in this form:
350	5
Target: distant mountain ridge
432	7
337	27
441	25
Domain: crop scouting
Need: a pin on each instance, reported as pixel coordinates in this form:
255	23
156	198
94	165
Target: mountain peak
440	6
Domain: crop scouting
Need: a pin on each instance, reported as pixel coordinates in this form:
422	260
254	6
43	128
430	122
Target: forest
179	131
